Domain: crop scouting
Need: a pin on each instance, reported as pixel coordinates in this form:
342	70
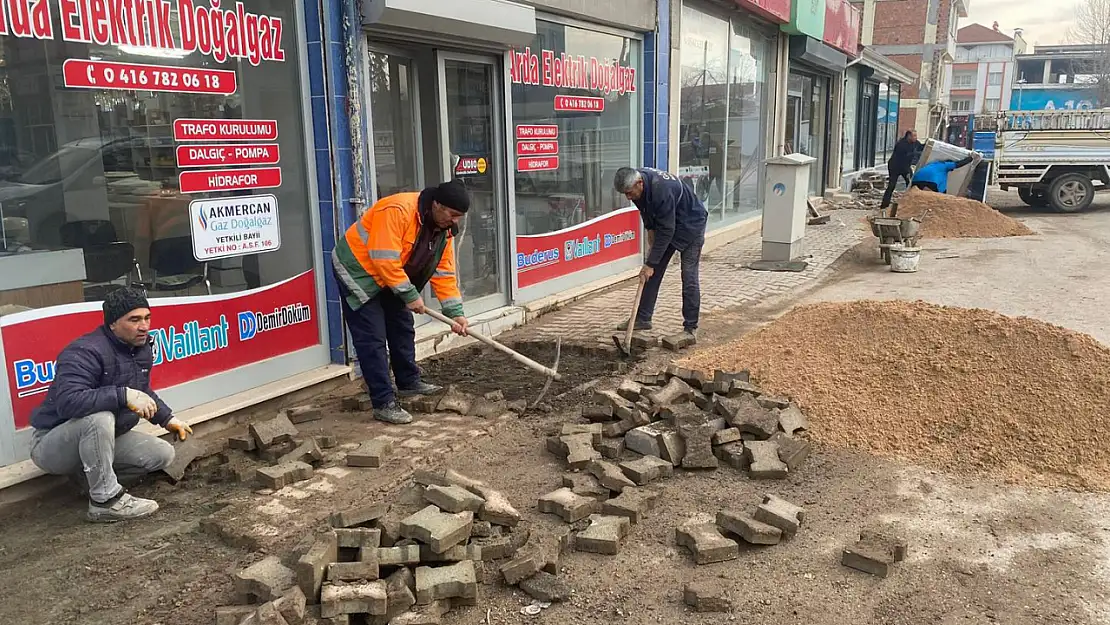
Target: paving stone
792	420
706	543
407	555
233	614
544	586
264	580
358	537
780	513
273	432
697	440
352	571
585	485
456	582
771	402
266	614
888	536
743	387
617	429
400	595
242	442
458	553
633	503
359	516
454	400
371	453
483	529
453	498
703	401
419	404
763	457
274	452
452	476
597	413
671	445
605	535
292	606
675	391
727	435
643	341
593	429
304	414
356	598
439	530
691	377
720	375
357	403
792	451
307	452
313	565
566	504
622	408
870	557
650	379
521	568
497	509
184	454
712	387
505	545
282	475
576	449
733	455
646	469
611	448
644	440
679	341
632	391
609	475
745	414
706	597
746	527
431	614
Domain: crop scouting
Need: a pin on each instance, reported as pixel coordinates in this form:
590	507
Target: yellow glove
141	404
179	427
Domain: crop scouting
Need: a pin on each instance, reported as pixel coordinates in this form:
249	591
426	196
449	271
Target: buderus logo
31	377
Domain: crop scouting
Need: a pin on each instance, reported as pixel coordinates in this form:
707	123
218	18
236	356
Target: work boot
121	508
692	333
421	388
640	325
393	413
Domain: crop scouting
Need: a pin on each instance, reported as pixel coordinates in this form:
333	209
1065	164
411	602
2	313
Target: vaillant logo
251	324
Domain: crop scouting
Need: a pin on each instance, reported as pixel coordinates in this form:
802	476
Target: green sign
807	17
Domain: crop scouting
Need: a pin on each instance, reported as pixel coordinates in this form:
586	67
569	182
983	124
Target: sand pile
954	217
967	391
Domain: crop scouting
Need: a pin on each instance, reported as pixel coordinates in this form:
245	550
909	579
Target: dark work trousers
690	262
381	322
891	183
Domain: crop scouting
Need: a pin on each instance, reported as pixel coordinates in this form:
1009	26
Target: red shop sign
201	337
778	11
82	74
200	155
229	179
608	238
579	103
537	148
525	131
537	163
842	26
225	129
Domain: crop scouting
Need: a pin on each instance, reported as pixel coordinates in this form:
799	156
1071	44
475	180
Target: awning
817	53
497	21
886	69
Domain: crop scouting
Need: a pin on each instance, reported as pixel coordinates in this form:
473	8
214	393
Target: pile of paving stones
713	542
291	457
489	406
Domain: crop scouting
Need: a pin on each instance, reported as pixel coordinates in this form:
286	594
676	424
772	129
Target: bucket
904	259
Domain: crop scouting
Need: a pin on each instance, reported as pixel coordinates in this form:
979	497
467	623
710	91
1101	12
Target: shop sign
203	155
527	131
807	17
229	179
568	71
605	239
179	28
842	25
537	148
234	226
537	163
471	165
225	129
579	104
81	74
192	337
778	11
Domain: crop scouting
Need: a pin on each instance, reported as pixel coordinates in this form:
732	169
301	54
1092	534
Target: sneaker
640	325
421	388
121	508
393	413
692	332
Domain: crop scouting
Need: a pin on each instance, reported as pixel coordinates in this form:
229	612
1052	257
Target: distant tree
1092	26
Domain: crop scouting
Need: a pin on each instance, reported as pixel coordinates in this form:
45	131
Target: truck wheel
1036	199
1071	193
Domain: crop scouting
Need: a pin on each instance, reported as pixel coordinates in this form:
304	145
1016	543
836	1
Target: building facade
1058	78
872	88
982	78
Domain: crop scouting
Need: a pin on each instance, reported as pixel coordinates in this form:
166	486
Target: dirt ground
980	552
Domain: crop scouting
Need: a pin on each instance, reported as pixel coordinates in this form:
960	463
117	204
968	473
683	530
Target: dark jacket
670	209
901	158
92	375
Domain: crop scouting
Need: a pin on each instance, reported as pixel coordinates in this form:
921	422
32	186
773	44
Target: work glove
140	403
179	427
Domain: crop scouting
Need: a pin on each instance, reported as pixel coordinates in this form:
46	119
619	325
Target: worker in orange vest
382	264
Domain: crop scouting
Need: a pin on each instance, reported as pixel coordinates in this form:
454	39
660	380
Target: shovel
626	346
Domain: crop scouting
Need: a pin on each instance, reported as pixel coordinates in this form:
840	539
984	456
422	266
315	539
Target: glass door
471	139
394	109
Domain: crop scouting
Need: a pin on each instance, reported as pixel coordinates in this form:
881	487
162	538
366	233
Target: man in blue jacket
675	222
101	389
934	176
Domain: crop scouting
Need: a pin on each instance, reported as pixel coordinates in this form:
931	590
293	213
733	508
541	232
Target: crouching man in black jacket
100	391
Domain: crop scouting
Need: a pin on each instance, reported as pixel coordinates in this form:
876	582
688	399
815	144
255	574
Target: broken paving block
292	606
371	453
644	341
439	530
356	598
617	429
706	597
568	505
522	567
745	414
593	429
691	377
763	458
585	485
458	582
791	419
454	400
780	513
597	413
792	451
544	586
399	593
282	475
263	581
609	475
630	390
497	509
242	442
605	535
644	440
647	469
304	414
746	527
352	571
676	391
633	503
733	455
453	498
611	448
705	541
577	449
679	341
313	565
727	435
359	516
307	452
697	438
184	454
273	432
622	408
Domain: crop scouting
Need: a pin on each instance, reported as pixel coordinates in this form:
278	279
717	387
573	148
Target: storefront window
805	122
851	113
392	111
724	116
576	117
884	142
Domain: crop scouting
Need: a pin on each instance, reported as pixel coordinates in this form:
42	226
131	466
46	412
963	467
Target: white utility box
784	206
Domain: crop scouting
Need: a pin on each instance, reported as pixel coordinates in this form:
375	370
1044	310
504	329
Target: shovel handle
632	317
517	356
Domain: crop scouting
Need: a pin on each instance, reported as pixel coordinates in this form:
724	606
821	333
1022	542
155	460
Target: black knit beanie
122	301
452	194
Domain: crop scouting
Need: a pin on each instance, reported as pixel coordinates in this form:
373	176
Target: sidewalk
725	283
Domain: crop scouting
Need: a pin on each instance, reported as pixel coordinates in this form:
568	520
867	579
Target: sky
1044	22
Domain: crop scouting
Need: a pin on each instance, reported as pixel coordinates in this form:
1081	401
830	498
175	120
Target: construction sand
966	391
952	217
